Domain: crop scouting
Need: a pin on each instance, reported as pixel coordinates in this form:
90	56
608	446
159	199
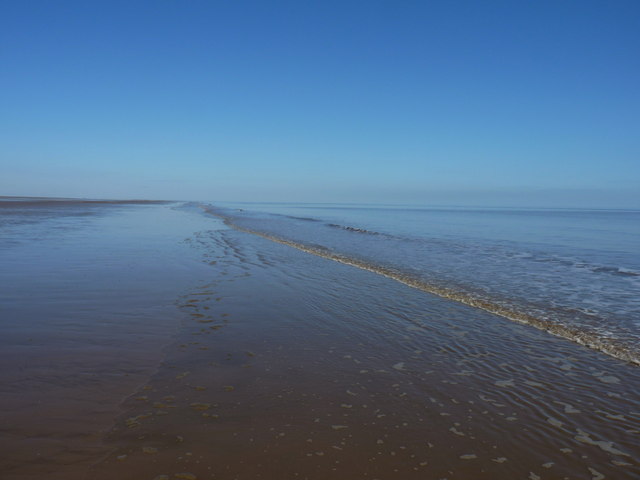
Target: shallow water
292	366
151	340
573	272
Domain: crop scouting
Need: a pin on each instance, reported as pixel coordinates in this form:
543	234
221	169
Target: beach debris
596	474
200	388
161	477
182	375
179	438
468	456
121	457
399	366
339	427
499	459
229	388
533	476
200	406
150	450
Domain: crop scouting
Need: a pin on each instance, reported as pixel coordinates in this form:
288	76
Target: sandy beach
154	342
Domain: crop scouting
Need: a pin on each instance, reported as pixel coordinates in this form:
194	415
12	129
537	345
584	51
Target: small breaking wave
583	337
581	265
617	271
353	229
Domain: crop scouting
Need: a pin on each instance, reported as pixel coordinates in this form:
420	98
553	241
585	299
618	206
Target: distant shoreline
67	200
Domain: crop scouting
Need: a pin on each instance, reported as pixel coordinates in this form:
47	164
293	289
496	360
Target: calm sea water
573	272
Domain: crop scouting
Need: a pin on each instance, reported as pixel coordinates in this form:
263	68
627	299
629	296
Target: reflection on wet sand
85	309
289	366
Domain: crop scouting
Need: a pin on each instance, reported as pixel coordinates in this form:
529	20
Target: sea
572	272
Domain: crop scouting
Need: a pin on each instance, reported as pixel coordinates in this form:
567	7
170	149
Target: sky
533	103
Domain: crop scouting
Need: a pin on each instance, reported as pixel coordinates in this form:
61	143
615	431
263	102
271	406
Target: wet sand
87	302
257	360
289	366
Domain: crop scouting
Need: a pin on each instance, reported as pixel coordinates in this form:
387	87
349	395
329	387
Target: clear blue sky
495	102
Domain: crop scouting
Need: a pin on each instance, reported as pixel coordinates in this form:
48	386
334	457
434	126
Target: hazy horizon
448	200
